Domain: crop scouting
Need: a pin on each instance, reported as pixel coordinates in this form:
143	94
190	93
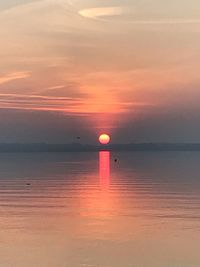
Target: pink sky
109	64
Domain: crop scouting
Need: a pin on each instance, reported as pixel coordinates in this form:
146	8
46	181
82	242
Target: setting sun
104	139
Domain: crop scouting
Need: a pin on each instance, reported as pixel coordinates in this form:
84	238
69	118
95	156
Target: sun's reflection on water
104	168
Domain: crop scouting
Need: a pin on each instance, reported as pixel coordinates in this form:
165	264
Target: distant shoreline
43	147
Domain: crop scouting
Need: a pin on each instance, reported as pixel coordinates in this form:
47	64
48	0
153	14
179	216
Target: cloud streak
61	104
38	102
14	76
102	12
106	13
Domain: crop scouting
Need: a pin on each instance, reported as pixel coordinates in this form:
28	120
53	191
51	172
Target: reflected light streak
97	201
104	168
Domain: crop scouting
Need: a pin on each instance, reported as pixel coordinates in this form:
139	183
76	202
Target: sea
100	209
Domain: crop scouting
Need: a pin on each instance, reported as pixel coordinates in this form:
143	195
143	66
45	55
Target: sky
83	67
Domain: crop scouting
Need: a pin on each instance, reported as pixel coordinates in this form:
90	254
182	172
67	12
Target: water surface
86	210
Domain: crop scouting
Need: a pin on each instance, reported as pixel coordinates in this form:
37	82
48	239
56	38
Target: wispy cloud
94	13
13	76
6	5
167	21
55	87
38	102
64	104
105	13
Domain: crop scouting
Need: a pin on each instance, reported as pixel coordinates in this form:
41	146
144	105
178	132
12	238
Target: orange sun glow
104	139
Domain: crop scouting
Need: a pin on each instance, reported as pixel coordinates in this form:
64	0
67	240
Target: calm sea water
86	210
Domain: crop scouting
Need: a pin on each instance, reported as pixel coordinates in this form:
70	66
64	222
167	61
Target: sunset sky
82	67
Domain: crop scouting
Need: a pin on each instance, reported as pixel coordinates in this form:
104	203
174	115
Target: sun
104	139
